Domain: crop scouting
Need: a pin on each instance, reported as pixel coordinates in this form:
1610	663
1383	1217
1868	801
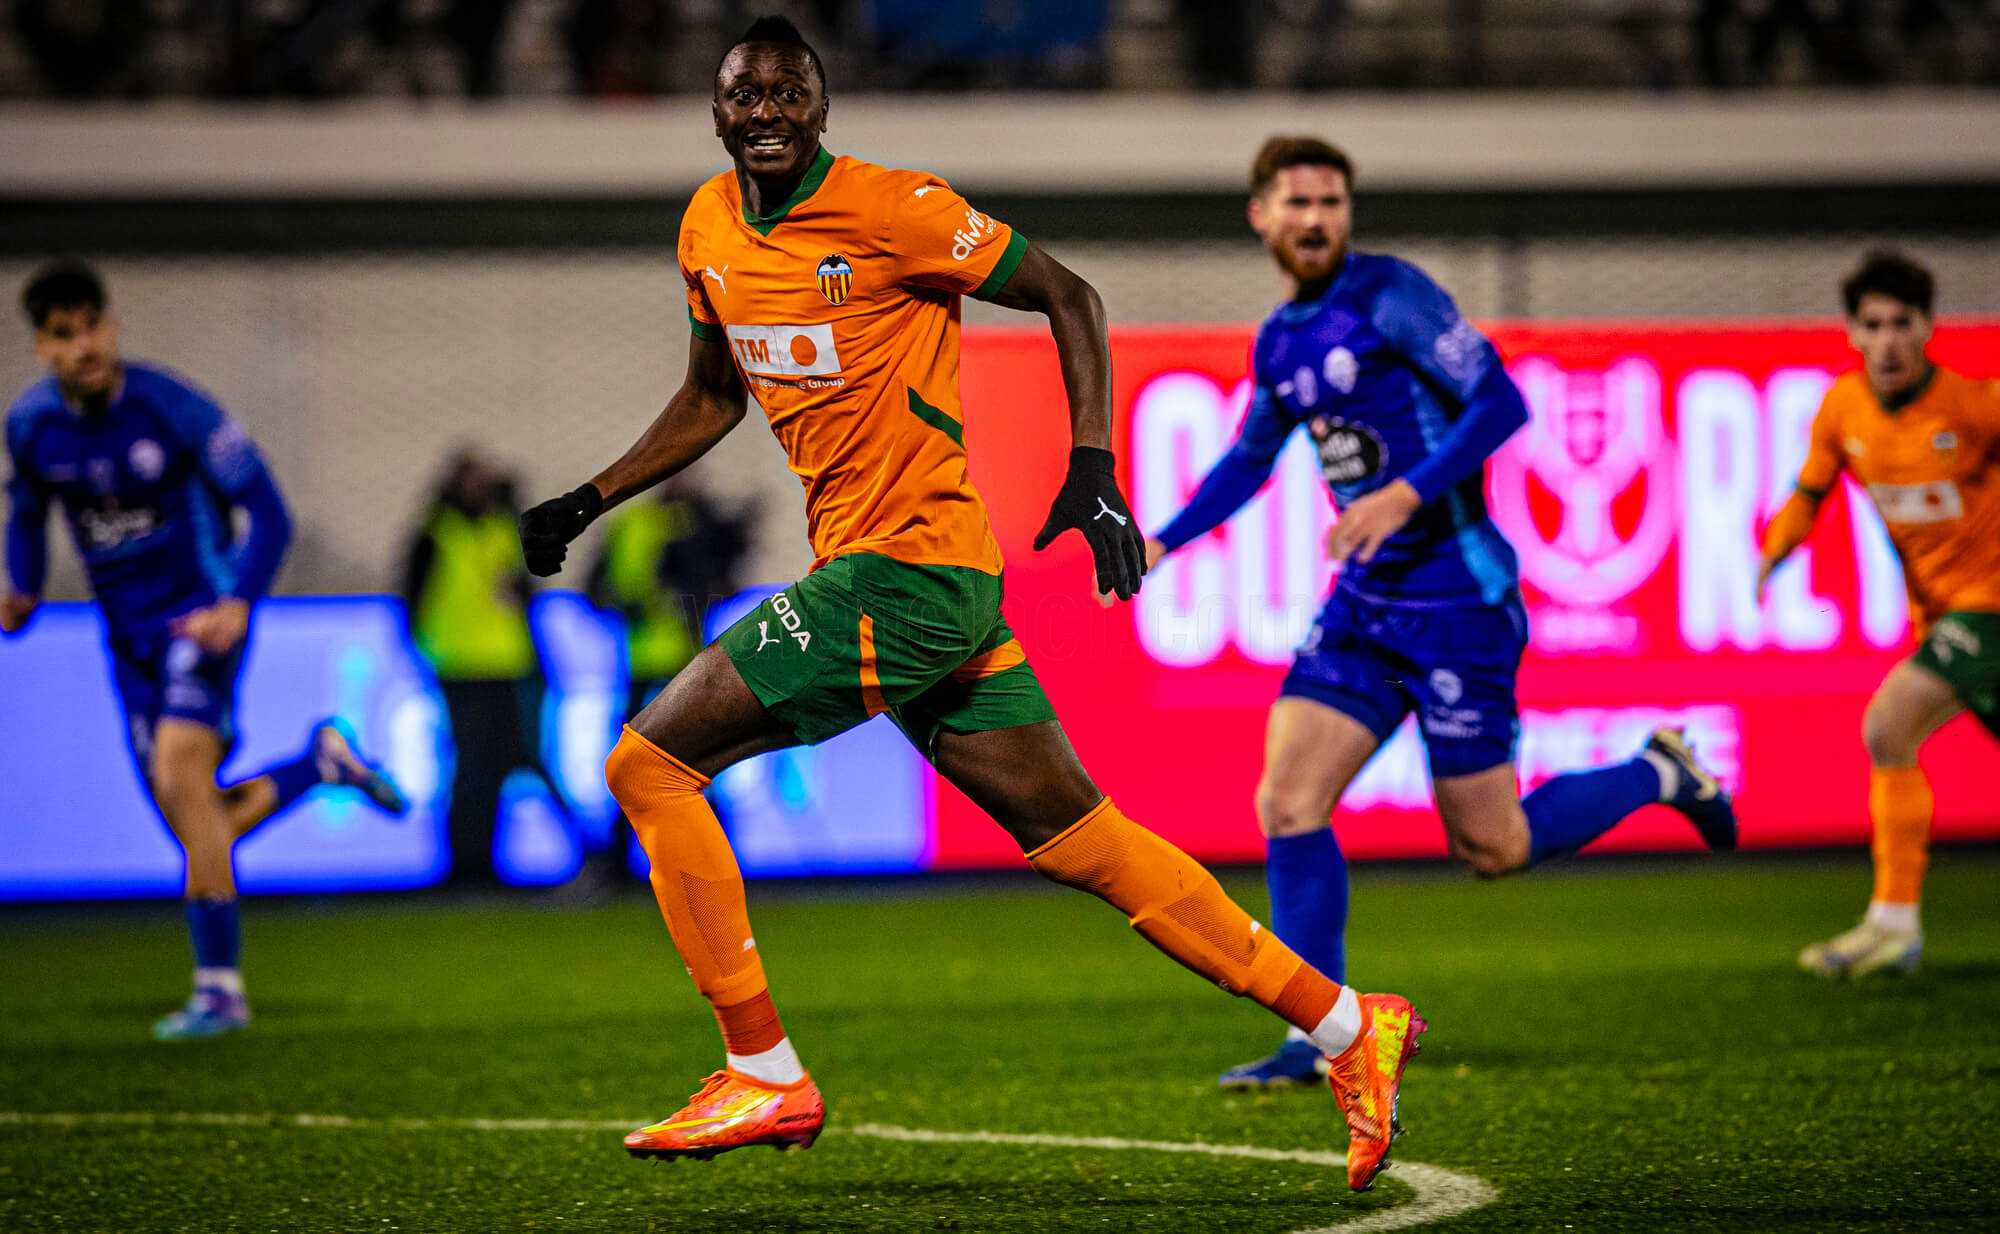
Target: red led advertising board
1636	498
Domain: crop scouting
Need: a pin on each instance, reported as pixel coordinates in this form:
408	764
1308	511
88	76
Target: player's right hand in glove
1090	502
547	529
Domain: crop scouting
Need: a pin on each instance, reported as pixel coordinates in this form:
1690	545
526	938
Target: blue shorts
159	675
1453	664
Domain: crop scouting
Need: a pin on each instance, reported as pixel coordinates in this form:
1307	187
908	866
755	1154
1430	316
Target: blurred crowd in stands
639	48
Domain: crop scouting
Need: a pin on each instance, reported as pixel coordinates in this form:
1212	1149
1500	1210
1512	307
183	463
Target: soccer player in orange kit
830	287
1925	443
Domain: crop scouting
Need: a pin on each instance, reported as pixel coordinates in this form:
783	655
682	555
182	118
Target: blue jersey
147	485
1392	383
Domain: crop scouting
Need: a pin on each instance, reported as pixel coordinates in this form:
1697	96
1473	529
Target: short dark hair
1278	153
1891	274
66	282
779	30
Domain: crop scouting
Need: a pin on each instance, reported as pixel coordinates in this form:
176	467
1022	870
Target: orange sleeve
702	317
1824	459
1790	526
938	241
1817	476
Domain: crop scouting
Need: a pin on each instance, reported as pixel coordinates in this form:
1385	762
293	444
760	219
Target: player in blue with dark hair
149	470
1405	400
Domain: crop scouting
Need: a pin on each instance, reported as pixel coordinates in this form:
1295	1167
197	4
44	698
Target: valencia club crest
836	278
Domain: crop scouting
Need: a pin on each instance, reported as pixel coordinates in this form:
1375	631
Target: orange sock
695	876
750	1027
1178	906
1899	802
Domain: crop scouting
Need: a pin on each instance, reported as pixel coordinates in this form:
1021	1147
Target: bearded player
1925	443
830	287
149	470
1404	400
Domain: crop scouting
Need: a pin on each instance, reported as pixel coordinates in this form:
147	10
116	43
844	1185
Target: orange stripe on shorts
989	663
871	684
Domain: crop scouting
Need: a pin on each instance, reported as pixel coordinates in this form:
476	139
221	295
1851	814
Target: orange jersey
841	308
1933	471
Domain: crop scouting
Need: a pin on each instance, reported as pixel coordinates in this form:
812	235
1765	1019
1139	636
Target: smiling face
770	109
80	346
1890	335
1305	218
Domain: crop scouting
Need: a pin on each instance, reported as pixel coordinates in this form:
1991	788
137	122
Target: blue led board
75	823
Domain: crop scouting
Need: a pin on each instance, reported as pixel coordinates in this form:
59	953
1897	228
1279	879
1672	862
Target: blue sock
1570	811
217	938
1307	876
292	779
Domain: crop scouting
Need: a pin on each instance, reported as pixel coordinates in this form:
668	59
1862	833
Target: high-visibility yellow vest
658	639
469	622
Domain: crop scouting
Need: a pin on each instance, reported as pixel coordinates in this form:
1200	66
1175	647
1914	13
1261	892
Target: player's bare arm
1041	284
1789	529
711	401
15	609
1089	500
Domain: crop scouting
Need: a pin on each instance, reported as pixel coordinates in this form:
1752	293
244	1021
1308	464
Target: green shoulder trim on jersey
1017	248
937	420
1817	494
708	332
815	176
1916	391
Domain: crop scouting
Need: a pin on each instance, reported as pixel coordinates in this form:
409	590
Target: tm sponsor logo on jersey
785	351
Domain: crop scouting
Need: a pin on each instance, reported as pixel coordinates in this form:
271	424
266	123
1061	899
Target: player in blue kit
148	470
1405	400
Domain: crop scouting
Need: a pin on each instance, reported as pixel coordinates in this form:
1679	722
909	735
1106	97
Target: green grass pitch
1621	1047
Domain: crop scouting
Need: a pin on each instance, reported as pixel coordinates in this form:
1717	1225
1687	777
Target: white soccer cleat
1865	950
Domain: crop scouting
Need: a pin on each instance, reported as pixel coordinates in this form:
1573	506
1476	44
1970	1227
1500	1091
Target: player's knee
1284	810
1886	737
1490	854
637	771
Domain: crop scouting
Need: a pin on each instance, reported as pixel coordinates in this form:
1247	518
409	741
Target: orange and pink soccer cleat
734	1111
1366	1077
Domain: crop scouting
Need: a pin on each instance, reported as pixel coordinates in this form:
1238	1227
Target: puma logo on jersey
928	188
1104	509
764	638
785	351
708	272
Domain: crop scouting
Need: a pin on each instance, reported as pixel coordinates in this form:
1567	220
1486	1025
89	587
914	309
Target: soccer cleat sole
791	1142
1411	1048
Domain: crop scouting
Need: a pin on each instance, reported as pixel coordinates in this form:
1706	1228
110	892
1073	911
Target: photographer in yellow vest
466	593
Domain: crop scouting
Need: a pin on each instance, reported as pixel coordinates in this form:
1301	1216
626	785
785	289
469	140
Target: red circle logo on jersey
836	278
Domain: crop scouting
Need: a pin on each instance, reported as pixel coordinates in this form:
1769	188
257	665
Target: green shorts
1964	649
865	634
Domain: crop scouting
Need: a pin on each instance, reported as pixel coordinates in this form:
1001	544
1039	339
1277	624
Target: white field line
1436	1193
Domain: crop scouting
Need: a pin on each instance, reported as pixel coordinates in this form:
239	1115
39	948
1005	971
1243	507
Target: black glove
547	529
1091	503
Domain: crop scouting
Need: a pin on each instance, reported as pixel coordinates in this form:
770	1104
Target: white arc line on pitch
1436	1193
